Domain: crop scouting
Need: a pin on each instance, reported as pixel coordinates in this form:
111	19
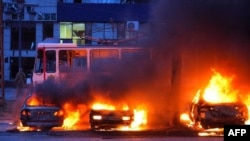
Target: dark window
28	37
104	60
135	58
47	30
77	1
50	61
72	59
39	62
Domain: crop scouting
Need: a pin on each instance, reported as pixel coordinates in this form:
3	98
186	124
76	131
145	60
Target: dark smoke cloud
189	37
63	92
193	36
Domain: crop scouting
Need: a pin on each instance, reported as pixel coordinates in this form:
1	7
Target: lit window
66	30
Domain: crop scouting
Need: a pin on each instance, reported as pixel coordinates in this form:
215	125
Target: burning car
105	116
39	114
108	119
216	115
217	104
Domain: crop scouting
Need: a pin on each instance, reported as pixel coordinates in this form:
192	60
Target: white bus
55	59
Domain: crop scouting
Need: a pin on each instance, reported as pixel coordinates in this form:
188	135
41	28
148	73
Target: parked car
216	115
38	114
110	119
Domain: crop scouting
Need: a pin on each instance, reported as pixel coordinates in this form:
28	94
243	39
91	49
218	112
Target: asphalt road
96	136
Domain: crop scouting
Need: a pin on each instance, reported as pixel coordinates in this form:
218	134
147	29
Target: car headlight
25	113
58	113
97	117
126	118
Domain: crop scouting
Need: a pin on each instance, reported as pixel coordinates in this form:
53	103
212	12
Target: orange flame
101	106
219	90
72	116
247	102
33	101
140	118
140	114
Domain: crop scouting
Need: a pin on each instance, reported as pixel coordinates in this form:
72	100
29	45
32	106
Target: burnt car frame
216	115
41	116
110	119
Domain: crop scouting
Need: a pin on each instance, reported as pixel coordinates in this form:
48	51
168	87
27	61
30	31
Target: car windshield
34	100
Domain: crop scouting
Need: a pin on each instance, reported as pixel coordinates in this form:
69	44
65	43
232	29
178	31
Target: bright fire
219	90
140	118
140	114
33	101
247	102
72	116
100	106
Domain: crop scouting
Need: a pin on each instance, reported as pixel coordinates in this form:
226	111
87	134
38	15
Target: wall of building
41	12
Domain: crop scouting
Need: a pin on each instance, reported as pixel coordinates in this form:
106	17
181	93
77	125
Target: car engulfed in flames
110	117
40	115
216	105
216	115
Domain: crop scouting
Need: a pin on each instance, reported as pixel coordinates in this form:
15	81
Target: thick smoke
189	38
62	92
200	34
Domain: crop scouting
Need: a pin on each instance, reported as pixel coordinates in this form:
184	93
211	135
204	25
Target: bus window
64	60
72	59
135	55
79	59
39	62
80	63
50	61
103	60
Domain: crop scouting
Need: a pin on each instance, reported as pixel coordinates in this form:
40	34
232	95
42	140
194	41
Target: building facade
28	22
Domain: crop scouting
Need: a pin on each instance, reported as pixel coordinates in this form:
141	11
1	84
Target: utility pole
2	95
19	40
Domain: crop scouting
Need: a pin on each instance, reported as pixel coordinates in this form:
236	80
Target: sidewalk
7	121
7	108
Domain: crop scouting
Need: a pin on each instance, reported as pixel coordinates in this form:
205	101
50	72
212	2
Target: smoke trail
194	36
